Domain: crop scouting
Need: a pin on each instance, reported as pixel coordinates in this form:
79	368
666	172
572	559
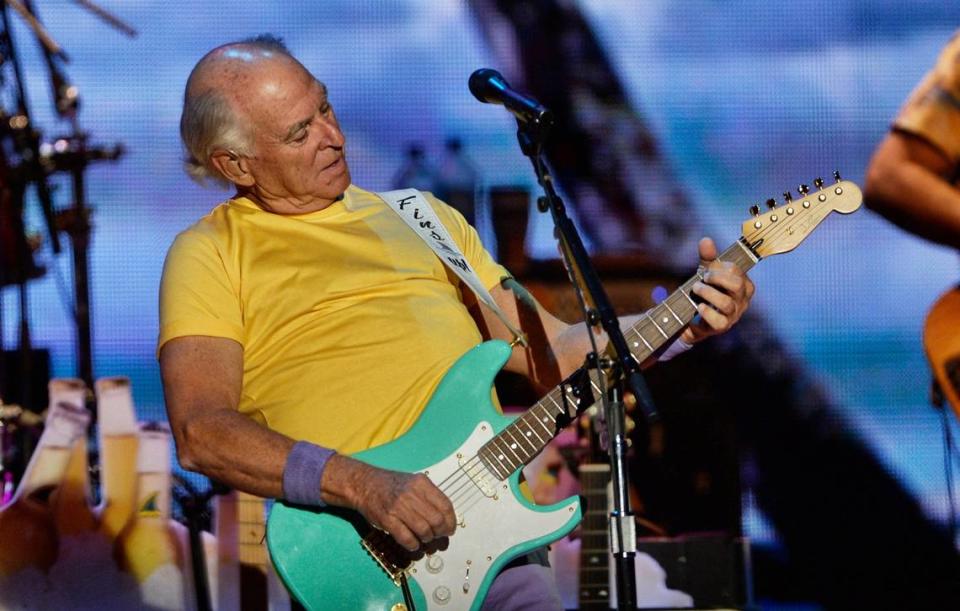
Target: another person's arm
908	183
910	178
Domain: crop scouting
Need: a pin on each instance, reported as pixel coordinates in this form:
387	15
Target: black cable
407	596
949	452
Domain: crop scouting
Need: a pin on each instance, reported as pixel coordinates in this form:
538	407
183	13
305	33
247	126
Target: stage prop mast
38	160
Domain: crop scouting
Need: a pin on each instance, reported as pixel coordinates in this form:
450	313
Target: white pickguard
491	521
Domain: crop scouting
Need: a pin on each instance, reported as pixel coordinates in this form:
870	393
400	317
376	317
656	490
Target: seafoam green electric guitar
332	559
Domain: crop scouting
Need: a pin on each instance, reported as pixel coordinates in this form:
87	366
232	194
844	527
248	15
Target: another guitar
332	559
941	340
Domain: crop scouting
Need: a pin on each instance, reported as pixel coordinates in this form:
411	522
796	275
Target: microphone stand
196	511
616	366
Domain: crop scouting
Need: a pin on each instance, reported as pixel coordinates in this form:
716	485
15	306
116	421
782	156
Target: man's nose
332	136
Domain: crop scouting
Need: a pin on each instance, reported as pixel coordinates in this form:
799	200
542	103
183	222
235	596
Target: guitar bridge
392	558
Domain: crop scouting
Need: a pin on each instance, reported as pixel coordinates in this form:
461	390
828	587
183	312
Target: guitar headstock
784	226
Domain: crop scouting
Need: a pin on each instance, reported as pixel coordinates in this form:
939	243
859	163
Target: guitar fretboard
526	436
594	586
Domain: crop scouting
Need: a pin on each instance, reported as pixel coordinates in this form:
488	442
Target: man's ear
233	167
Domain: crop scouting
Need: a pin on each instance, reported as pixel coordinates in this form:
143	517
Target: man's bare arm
202	380
907	182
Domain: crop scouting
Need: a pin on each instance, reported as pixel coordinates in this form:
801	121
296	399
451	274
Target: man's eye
301	138
325	109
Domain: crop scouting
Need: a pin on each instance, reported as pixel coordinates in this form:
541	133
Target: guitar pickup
477	475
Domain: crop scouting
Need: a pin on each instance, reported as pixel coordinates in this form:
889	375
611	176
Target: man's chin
341	182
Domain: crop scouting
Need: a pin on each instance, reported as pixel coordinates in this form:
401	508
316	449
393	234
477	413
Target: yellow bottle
28	535
117	437
70	502
148	542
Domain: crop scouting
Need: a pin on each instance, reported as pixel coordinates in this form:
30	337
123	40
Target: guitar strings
509	430
462	477
474	475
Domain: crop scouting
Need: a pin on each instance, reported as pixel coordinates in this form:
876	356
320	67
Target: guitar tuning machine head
803	189
771	203
836	175
787	197
818	182
755	210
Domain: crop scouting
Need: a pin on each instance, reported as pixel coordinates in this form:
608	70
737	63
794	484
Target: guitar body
941	340
319	552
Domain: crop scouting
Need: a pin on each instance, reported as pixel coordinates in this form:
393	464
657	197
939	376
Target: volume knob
434	563
442	595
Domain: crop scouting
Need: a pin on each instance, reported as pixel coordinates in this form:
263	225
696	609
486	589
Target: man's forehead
310	103
283	123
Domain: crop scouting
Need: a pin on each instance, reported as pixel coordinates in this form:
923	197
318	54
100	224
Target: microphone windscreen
480	83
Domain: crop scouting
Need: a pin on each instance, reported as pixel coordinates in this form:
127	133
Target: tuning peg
787	197
818	182
803	189
836	175
755	210
771	203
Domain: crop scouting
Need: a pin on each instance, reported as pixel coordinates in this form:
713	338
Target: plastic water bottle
458	179
415	173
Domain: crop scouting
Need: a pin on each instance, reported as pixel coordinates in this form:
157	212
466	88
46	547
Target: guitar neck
594	585
526	436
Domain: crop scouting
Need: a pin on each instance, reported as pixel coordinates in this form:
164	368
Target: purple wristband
303	471
677	347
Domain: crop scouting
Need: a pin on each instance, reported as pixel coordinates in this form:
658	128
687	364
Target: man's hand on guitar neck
726	292
407	506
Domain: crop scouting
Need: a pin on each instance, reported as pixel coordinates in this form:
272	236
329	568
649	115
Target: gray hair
208	123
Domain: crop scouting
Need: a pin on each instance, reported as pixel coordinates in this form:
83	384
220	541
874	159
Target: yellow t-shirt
347	319
933	109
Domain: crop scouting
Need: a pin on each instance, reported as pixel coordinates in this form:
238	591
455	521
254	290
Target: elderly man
303	321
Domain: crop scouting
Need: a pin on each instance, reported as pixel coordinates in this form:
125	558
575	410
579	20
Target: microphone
490	87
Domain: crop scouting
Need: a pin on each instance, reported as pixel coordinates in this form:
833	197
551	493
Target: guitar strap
417	212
